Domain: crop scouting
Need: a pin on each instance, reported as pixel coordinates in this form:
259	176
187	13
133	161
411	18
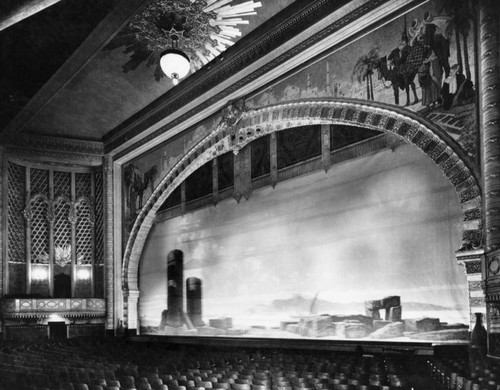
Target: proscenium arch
252	124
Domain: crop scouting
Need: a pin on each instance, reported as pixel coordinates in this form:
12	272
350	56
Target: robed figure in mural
434	66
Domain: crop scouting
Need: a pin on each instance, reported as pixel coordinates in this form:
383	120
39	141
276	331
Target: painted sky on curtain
383	225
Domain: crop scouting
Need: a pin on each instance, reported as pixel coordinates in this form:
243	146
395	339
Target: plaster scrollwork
28	210
53	203
494	312
81	201
493	265
231	116
61	199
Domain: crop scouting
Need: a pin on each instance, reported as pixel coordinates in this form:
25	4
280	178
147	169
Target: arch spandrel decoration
239	127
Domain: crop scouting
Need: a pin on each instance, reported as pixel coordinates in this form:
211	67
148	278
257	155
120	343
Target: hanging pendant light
174	62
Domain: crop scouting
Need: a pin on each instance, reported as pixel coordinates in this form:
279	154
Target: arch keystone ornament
240	126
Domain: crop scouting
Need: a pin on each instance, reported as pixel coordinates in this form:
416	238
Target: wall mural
143	174
422	61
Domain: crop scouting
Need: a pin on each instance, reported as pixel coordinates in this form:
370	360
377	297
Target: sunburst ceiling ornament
205	30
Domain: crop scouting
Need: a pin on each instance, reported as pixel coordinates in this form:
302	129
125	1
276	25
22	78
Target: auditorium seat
80	386
241	381
61	365
113	383
221	385
240	386
99	381
155	382
259	387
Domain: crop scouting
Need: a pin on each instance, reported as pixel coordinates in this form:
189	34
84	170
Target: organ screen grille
99	225
15	205
39	232
82	184
84	235
62	226
43	196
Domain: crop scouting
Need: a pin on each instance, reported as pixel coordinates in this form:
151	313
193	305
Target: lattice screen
15	206
39	181
83	235
39	232
62	184
65	201
99	222
62	226
62	234
82	184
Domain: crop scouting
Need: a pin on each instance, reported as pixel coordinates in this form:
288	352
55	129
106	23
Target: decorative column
472	262
242	174
132	301
28	217
326	156
92	223
3	216
51	217
490	143
215	181
183	197
73	219
108	242
273	149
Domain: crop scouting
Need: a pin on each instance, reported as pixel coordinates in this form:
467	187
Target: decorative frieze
55	149
473	266
64	307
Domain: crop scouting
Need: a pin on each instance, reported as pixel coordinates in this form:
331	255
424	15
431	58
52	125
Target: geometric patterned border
239	127
29	146
69	307
473	267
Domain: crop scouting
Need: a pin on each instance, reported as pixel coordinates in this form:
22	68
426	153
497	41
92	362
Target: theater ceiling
86	70
77	70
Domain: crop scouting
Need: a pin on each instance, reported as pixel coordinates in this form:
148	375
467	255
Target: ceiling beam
24	11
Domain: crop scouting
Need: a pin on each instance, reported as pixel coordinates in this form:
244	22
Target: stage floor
366	346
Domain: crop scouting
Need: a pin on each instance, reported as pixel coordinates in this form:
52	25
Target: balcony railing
44	307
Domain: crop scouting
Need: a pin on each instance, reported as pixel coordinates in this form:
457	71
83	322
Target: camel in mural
419	44
398	80
406	61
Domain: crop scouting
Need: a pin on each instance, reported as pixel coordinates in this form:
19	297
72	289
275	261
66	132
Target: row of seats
460	373
110	365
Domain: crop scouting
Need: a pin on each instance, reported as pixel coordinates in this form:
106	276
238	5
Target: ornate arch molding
239	127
